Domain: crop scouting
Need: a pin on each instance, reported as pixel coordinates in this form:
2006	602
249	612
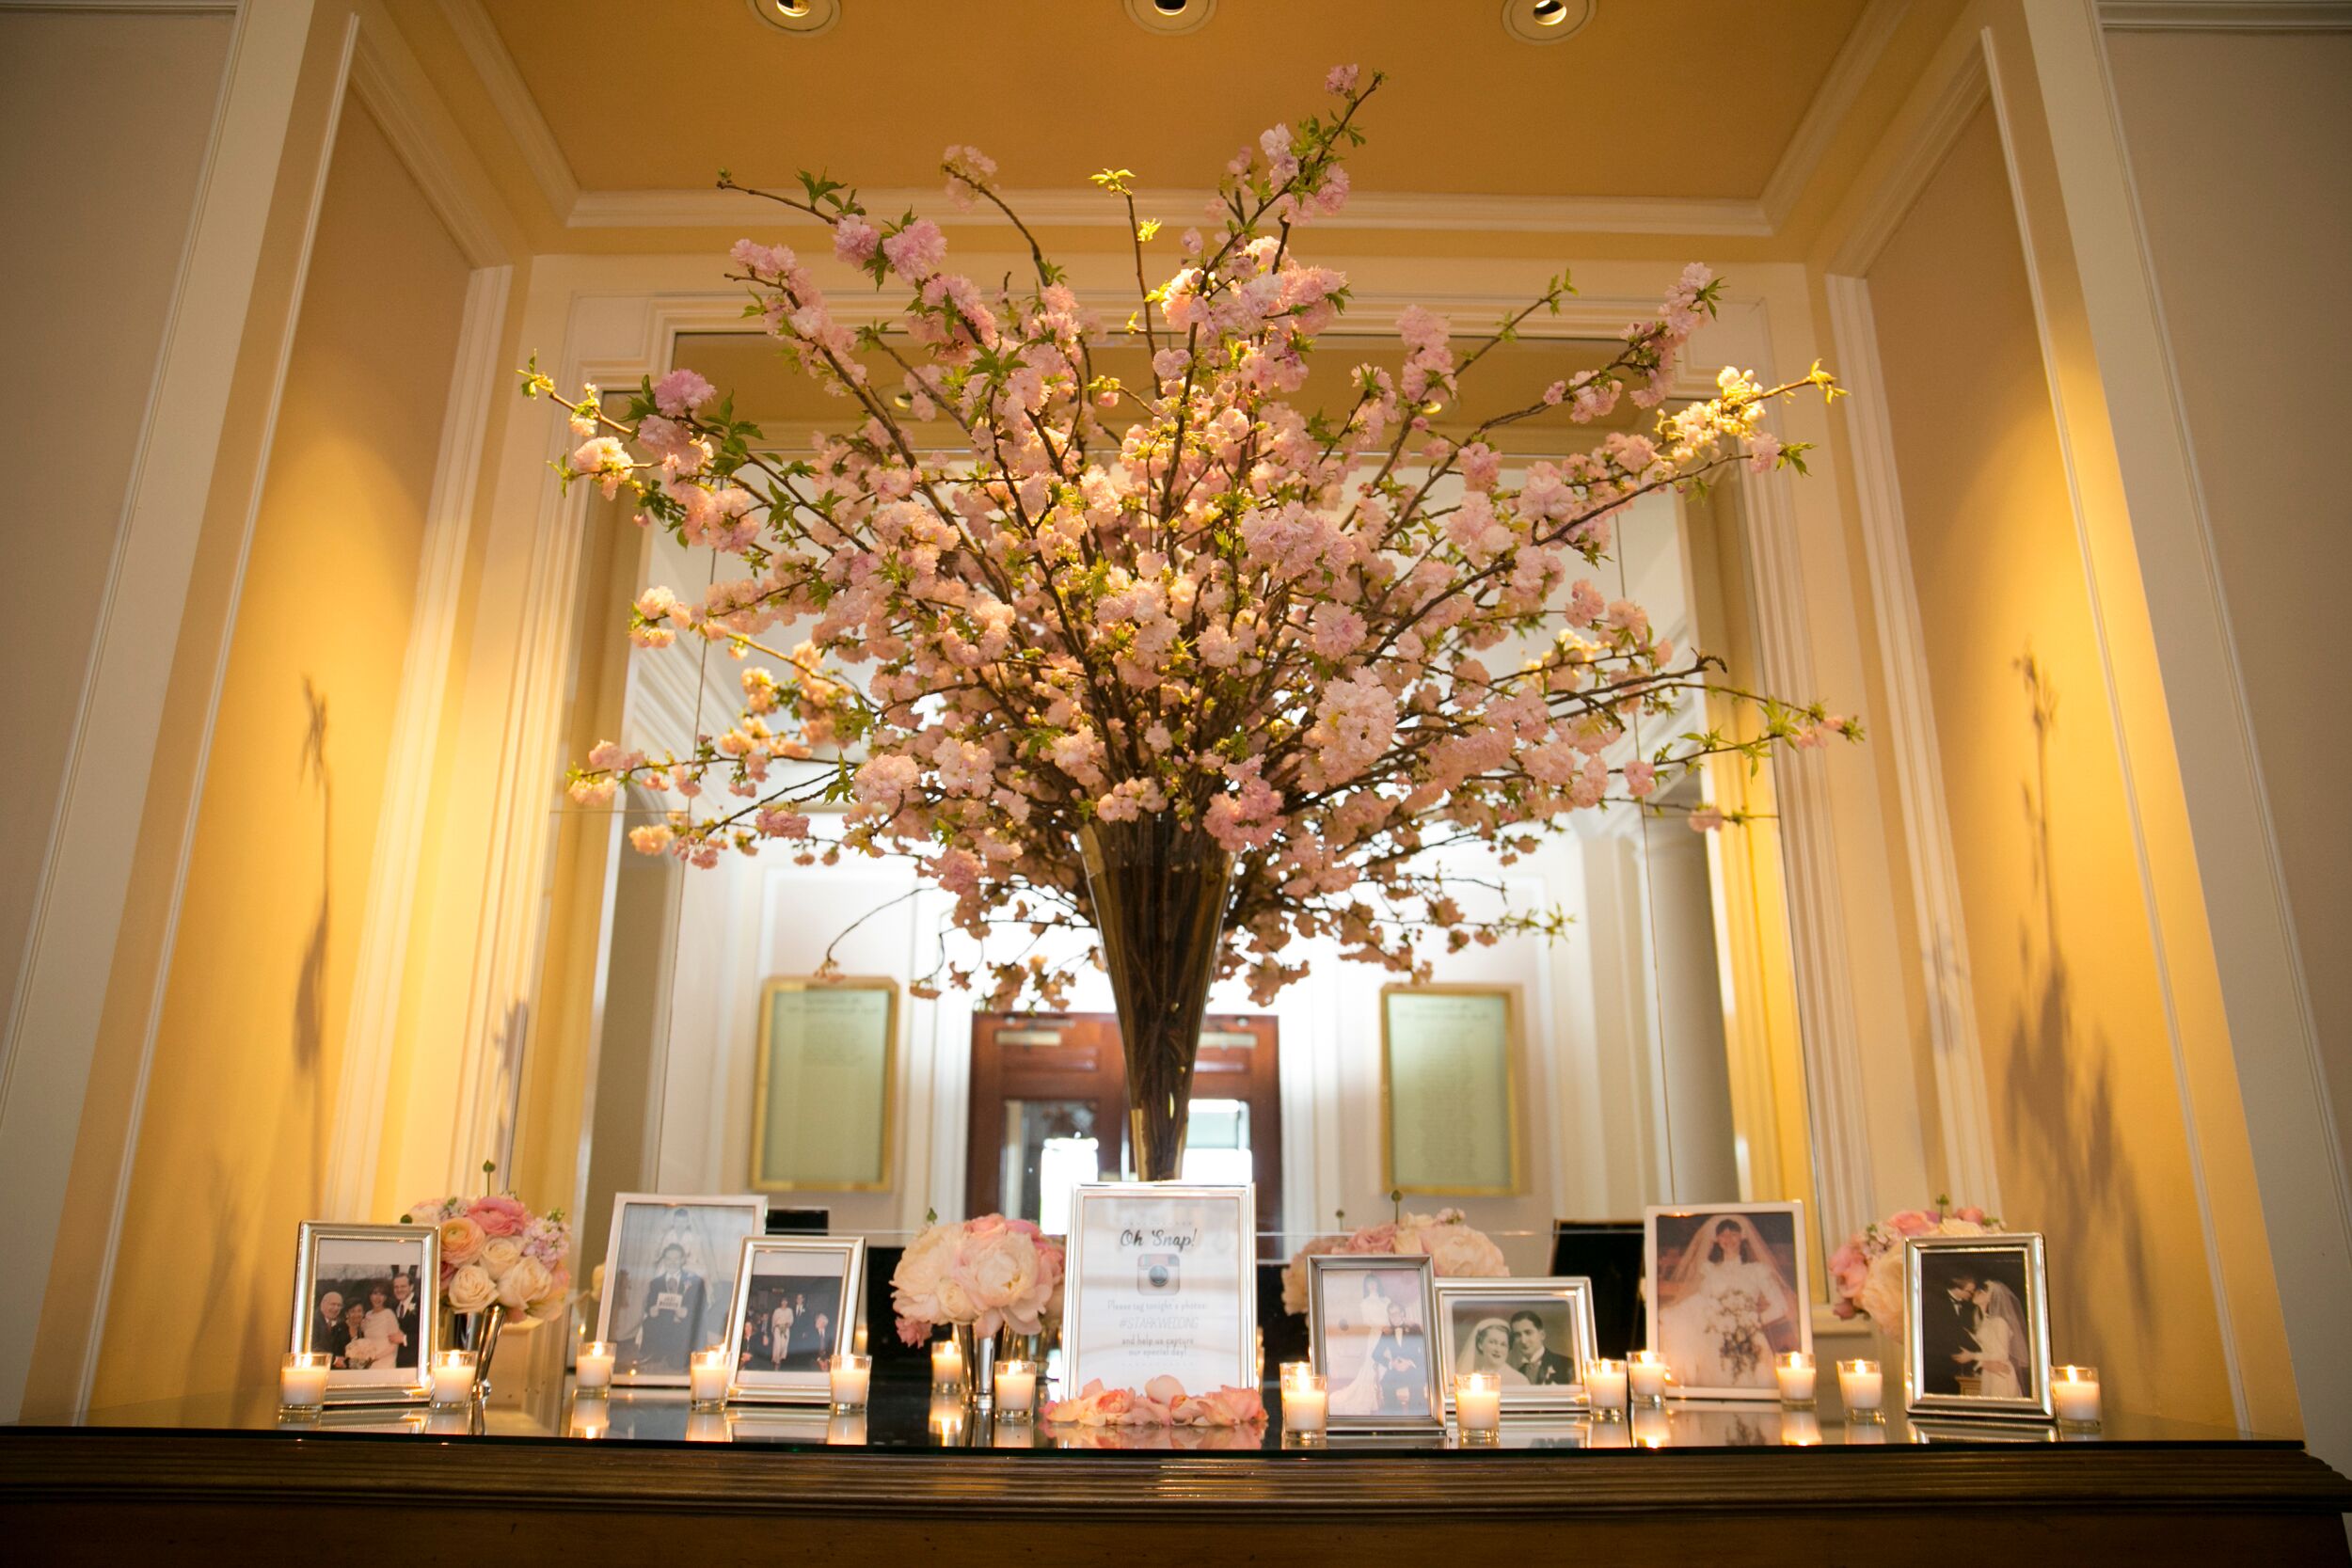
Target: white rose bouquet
1456	1249
990	1273
1867	1272
496	1252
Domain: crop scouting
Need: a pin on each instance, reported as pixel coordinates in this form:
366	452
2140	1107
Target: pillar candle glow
302	1380
1646	1376
850	1377
1306	1401
1795	1374
1604	1383
1861	1386
2074	1395
1016	1387
707	1378
452	1377
1478	1405
947	1362
595	1371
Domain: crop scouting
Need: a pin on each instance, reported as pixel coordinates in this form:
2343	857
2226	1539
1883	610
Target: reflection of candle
947	1422
846	1431
947	1362
1478	1405
708	1426
2074	1394
591	1418
707	1378
452	1377
1016	1387
1604	1381
849	1377
1646	1376
1800	1429
1306	1401
596	1365
1794	1371
1860	1386
1869	1431
302	1380
1653	1427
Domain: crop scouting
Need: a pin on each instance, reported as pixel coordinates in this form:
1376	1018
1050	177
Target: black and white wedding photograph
1727	1294
1533	1334
669	1279
1374	1337
794	1308
1977	1334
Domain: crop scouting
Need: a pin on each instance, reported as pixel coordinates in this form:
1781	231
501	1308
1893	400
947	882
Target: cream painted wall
2083	1100
2241	151
245	1061
105	117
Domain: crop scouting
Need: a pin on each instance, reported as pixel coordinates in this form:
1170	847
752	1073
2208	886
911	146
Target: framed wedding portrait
1727	1294
795	1307
669	1277
1976	1326
1535	1335
368	1297
1374	1327
1162	1279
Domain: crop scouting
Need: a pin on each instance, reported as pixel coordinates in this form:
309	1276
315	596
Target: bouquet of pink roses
1160	1402
496	1251
991	1273
1458	1250
1867	1272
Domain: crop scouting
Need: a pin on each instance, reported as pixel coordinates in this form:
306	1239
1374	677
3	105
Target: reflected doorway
1049	1110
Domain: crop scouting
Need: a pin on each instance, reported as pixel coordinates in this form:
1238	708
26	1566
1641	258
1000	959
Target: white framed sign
1162	1282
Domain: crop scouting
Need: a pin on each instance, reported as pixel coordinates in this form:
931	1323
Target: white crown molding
517	108
394	89
1074	209
1956	85
1858	58
2225	16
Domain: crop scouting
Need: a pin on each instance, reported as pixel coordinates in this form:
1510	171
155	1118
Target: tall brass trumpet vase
1159	891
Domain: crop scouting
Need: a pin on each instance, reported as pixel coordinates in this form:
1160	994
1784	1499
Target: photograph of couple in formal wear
1375	1330
1727	1295
1975	1342
1528	1348
790	1321
670	1282
363	1313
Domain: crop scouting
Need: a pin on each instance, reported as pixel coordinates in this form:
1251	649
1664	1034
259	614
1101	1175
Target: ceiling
1694	99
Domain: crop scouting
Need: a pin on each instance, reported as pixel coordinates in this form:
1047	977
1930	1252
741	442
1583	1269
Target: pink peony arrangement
1866	1273
1011	594
1161	1402
1455	1248
991	1273
496	1251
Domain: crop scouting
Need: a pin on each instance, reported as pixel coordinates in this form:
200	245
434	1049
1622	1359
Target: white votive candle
452	1377
302	1380
1794	1371
707	1378
947	1362
1306	1403
2074	1395
1861	1386
1478	1406
1016	1389
1604	1384
595	1374
849	1376
1646	1376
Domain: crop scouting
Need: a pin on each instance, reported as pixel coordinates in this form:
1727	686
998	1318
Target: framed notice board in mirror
1449	1089
823	1084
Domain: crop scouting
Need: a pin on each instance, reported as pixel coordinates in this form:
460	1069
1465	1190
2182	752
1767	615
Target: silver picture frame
1327	1273
1931	1266
392	1246
1502	1298
1117	1228
799	1386
1691	1382
751	1208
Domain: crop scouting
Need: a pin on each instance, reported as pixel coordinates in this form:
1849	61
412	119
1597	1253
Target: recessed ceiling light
1171	16
806	18
1546	21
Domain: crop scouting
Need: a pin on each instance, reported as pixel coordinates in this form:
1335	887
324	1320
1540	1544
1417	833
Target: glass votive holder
946	1364
1478	1407
1794	1371
848	1376
1605	1386
302	1382
593	1373
1645	1378
1862	1388
1306	1404
452	1377
1016	1389
707	1377
2075	1397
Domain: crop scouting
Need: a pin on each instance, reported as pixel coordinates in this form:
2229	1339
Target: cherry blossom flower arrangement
496	1252
990	1273
1329	641
1867	1272
1161	1402
1456	1250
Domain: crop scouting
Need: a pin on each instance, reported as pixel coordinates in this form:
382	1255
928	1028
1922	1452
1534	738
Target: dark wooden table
638	1480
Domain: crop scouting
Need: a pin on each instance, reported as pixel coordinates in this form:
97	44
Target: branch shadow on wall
2061	1080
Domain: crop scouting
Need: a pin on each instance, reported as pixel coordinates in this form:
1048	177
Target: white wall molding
1908	729
1951	91
2226	16
516	109
1858	58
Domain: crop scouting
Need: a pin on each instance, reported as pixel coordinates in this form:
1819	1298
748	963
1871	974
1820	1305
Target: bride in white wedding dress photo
1725	1307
